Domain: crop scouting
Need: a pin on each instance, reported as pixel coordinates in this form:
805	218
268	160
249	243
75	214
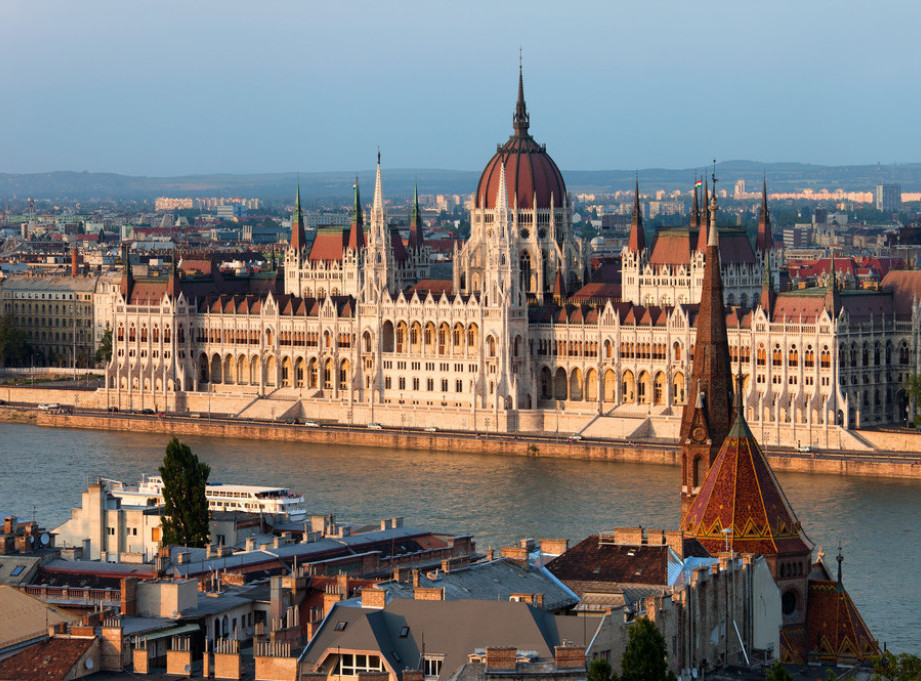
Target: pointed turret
741	495
637	242
377	206
832	297
416	240
705	218
711	373
768	295
298	239
764	243
695	209
357	228
172	284
502	208
127	283
520	120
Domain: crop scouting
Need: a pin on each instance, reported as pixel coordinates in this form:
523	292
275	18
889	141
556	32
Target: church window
777	357
810	357
794	357
387	382
415	384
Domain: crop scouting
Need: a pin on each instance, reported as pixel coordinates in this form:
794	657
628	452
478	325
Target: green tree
104	351
600	670
913	388
185	510
777	672
14	346
646	657
905	667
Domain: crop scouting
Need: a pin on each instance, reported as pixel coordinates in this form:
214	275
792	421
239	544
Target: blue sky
200	86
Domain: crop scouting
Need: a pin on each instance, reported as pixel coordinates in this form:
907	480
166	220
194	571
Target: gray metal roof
454	629
494	580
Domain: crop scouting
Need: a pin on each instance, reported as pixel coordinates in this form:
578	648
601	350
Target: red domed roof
529	171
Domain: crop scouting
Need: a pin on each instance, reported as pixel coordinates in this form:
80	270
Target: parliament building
353	328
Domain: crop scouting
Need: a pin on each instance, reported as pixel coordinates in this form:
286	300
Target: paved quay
884	464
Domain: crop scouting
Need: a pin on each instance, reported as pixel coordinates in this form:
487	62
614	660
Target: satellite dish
89	664
46	539
187	668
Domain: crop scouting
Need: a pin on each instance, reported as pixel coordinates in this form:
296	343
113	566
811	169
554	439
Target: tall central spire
707	416
521	121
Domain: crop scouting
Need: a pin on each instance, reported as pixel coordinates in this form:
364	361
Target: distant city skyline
174	88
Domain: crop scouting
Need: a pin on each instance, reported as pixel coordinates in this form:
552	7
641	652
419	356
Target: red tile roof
328	245
836	631
741	492
905	286
591	564
49	660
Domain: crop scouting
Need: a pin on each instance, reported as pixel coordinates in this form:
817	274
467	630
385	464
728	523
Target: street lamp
726	533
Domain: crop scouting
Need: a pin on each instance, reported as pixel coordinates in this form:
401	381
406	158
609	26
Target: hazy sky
194	86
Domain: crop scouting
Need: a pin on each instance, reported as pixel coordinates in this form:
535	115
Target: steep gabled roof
741	492
836	631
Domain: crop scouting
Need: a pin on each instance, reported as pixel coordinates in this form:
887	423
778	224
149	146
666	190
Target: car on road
375	426
48	406
575	437
312	424
804	448
431	429
112	409
147	411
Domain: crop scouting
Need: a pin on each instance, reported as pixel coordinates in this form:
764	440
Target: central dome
530	173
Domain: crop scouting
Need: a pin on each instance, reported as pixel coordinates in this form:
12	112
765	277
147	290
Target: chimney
501	659
128	600
490	554
342	584
415	578
554	547
74	262
569	657
372	597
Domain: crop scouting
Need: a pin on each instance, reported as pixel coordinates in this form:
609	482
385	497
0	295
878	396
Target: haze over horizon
171	88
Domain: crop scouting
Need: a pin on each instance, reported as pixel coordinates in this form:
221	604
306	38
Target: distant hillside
65	185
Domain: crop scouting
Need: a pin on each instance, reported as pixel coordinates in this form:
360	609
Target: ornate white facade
353	326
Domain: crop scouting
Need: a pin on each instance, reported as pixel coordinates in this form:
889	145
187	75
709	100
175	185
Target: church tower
742	508
707	415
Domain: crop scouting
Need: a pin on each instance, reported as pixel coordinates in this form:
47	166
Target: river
497	499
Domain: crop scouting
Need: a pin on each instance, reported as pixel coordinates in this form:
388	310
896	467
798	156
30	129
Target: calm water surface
497	499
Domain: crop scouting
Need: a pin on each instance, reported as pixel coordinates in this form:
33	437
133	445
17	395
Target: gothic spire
377	207
764	243
705	218
768	295
521	120
637	242
711	371
357	229
127	275
415	223
298	239
832	298
695	208
839	586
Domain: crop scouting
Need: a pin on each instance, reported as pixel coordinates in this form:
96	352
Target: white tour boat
278	501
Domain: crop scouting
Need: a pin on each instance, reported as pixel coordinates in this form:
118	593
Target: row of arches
414	338
298	372
645	388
